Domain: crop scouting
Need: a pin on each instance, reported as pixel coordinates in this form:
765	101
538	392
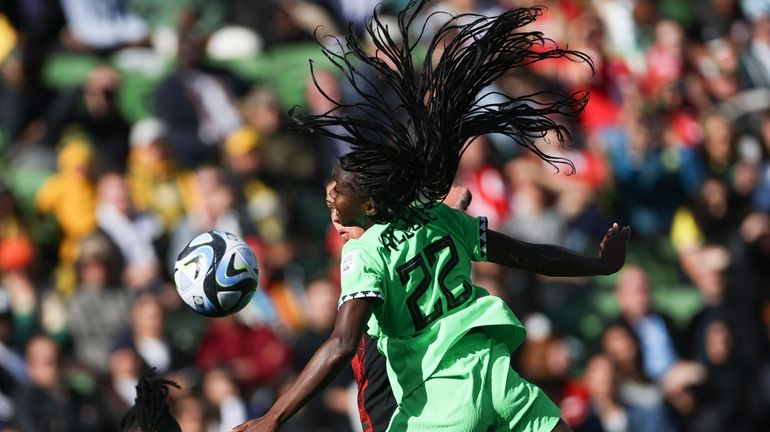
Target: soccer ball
216	274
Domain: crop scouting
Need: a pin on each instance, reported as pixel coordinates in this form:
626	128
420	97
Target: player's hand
459	198
262	424
613	248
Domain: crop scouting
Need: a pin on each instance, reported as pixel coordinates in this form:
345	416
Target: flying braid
405	154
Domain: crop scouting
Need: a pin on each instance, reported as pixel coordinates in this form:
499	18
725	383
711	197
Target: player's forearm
549	260
325	364
552	260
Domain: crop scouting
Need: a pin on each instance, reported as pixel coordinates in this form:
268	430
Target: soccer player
442	375
447	342
375	400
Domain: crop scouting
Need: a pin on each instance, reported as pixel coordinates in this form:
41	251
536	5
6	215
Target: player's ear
369	208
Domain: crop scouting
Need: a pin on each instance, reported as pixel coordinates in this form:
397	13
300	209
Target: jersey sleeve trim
483	228
359	295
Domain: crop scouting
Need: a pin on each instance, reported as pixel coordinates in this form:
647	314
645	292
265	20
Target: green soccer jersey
426	299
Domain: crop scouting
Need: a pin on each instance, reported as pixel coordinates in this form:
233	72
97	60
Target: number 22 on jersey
426	262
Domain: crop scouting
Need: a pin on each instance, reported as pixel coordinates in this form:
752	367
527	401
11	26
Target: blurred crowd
129	126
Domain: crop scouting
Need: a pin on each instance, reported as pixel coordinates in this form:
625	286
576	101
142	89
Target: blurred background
129	126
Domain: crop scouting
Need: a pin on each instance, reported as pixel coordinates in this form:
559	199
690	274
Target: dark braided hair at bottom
150	412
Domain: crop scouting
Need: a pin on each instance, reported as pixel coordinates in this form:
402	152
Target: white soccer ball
216	274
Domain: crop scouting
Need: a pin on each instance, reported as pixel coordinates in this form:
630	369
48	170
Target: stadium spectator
221	393
132	232
715	157
190	413
147	334
547	360
70	197
642	399
726	398
16	247
280	24
761	194
261	204
648	190
287	159
612	83
97	310
49	404
534	216
350	11
659	339
196	105
755	235
118	387
254	354
755	69
157	184
24	313
93	109
13	373
36	30
606	409
167	18
657	334
702	230
665	59
101	26
715	19
718	63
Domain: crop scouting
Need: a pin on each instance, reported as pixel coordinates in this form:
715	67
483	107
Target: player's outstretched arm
551	260
325	364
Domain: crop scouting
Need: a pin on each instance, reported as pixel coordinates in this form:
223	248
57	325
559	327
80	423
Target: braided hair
150	412
404	156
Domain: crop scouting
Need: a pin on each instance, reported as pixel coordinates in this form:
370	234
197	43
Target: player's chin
344	236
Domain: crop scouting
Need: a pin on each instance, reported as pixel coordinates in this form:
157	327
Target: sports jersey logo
348	262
